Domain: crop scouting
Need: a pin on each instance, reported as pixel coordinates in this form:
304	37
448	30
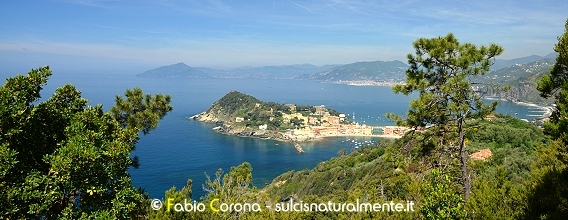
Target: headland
245	116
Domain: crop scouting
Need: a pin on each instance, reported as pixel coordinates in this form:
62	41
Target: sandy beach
361	135
547	109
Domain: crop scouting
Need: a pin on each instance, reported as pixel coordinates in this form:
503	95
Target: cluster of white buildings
322	124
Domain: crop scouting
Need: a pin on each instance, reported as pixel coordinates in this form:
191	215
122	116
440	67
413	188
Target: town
321	123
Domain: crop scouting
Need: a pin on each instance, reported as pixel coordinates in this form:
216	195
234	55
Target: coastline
360	135
547	109
296	143
367	83
280	136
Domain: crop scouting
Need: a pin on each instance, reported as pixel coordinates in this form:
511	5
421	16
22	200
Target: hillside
522	79
375	167
388	71
524	89
521	74
517	71
501	63
228	107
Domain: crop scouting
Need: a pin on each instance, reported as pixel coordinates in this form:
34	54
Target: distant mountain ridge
175	70
375	70
264	72
270	72
518	70
500	63
369	71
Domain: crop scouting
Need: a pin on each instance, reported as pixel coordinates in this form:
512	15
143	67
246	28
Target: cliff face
525	90
518	92
243	131
215	116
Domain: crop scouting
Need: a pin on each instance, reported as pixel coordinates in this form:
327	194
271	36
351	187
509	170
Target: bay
181	149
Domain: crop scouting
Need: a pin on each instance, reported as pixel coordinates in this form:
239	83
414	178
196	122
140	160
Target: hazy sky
139	34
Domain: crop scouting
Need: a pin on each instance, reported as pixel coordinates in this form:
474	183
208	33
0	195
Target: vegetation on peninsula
245	115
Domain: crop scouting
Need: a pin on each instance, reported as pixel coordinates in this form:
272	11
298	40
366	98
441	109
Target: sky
135	35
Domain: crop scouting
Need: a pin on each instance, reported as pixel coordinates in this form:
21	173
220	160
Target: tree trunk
463	156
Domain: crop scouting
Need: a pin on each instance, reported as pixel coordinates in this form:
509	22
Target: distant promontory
175	70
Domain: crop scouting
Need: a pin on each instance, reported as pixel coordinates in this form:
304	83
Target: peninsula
246	116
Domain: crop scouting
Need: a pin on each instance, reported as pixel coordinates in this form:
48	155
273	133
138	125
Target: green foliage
305	110
365	170
296	122
184	194
440	71
230	188
235	101
548	190
140	111
441	198
556	84
547	196
63	159
505	131
256	112
496	196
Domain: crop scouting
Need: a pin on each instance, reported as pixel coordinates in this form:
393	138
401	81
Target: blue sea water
180	149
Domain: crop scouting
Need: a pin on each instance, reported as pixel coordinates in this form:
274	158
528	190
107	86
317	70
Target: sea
181	149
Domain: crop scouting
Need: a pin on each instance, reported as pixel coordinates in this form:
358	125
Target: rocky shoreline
229	129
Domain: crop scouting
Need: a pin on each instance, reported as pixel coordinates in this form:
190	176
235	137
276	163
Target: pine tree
555	84
441	72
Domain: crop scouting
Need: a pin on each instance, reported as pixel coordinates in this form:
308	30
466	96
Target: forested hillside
522	79
391	71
